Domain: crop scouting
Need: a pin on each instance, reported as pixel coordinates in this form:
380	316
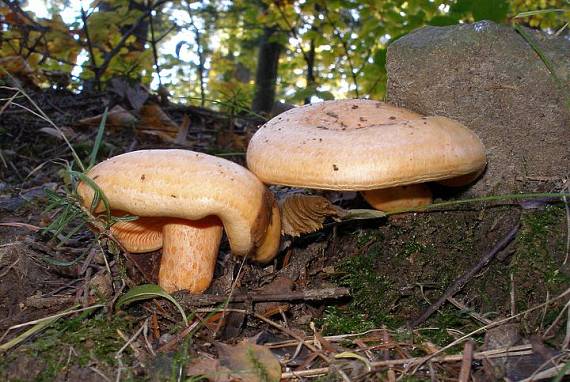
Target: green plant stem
492	198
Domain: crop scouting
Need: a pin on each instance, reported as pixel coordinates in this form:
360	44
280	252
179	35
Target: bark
266	72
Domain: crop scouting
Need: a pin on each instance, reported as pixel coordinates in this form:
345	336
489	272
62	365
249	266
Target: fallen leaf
133	93
249	362
116	117
279	285
210	369
155	121
183	130
305	213
58	133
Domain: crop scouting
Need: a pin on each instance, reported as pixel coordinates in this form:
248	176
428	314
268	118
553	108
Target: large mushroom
362	145
183	199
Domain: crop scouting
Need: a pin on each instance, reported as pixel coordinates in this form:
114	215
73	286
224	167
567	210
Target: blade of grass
145	292
539	12
41	324
98	139
99	195
361	214
530	41
40	113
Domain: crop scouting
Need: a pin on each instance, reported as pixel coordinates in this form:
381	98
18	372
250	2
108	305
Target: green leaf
494	10
380	58
441	21
146	292
326	95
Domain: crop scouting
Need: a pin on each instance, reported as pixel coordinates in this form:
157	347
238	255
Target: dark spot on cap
425	123
95	177
392	117
335	167
173	196
354	107
331	114
143	177
362	119
322	127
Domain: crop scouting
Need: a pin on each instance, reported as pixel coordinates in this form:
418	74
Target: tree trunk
266	72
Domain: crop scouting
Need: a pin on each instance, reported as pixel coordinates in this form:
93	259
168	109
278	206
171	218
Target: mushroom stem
189	253
401	197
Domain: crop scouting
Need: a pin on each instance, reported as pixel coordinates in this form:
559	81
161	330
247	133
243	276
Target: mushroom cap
189	185
361	145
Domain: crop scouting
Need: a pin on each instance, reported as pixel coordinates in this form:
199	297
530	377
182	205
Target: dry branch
306	295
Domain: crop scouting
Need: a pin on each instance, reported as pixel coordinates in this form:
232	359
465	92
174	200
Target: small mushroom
363	145
183	200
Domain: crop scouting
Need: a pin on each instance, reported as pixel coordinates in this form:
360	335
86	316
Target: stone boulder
488	77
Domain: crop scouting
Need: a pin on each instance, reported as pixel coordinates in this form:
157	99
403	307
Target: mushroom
364	145
183	200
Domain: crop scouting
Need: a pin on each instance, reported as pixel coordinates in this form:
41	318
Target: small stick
179	337
307	295
285	330
461	281
475	315
514	351
466	362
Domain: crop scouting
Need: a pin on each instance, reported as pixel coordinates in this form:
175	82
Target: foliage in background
333	48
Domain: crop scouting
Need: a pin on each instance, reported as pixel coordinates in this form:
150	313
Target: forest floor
340	304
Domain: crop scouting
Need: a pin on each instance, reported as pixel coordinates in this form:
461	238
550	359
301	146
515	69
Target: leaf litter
282	347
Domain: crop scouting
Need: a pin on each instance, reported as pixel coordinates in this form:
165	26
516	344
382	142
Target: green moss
338	321
539	256
77	341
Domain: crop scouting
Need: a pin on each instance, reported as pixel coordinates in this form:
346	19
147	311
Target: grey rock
489	78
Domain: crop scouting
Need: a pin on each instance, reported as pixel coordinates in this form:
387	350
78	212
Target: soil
394	267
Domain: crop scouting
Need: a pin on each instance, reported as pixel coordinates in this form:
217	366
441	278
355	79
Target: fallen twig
461	281
466	362
285	330
496	353
307	295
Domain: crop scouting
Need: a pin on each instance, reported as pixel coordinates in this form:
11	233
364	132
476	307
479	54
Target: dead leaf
155	121
305	213
134	94
249	362
183	130
210	369
116	117
279	285
58	133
